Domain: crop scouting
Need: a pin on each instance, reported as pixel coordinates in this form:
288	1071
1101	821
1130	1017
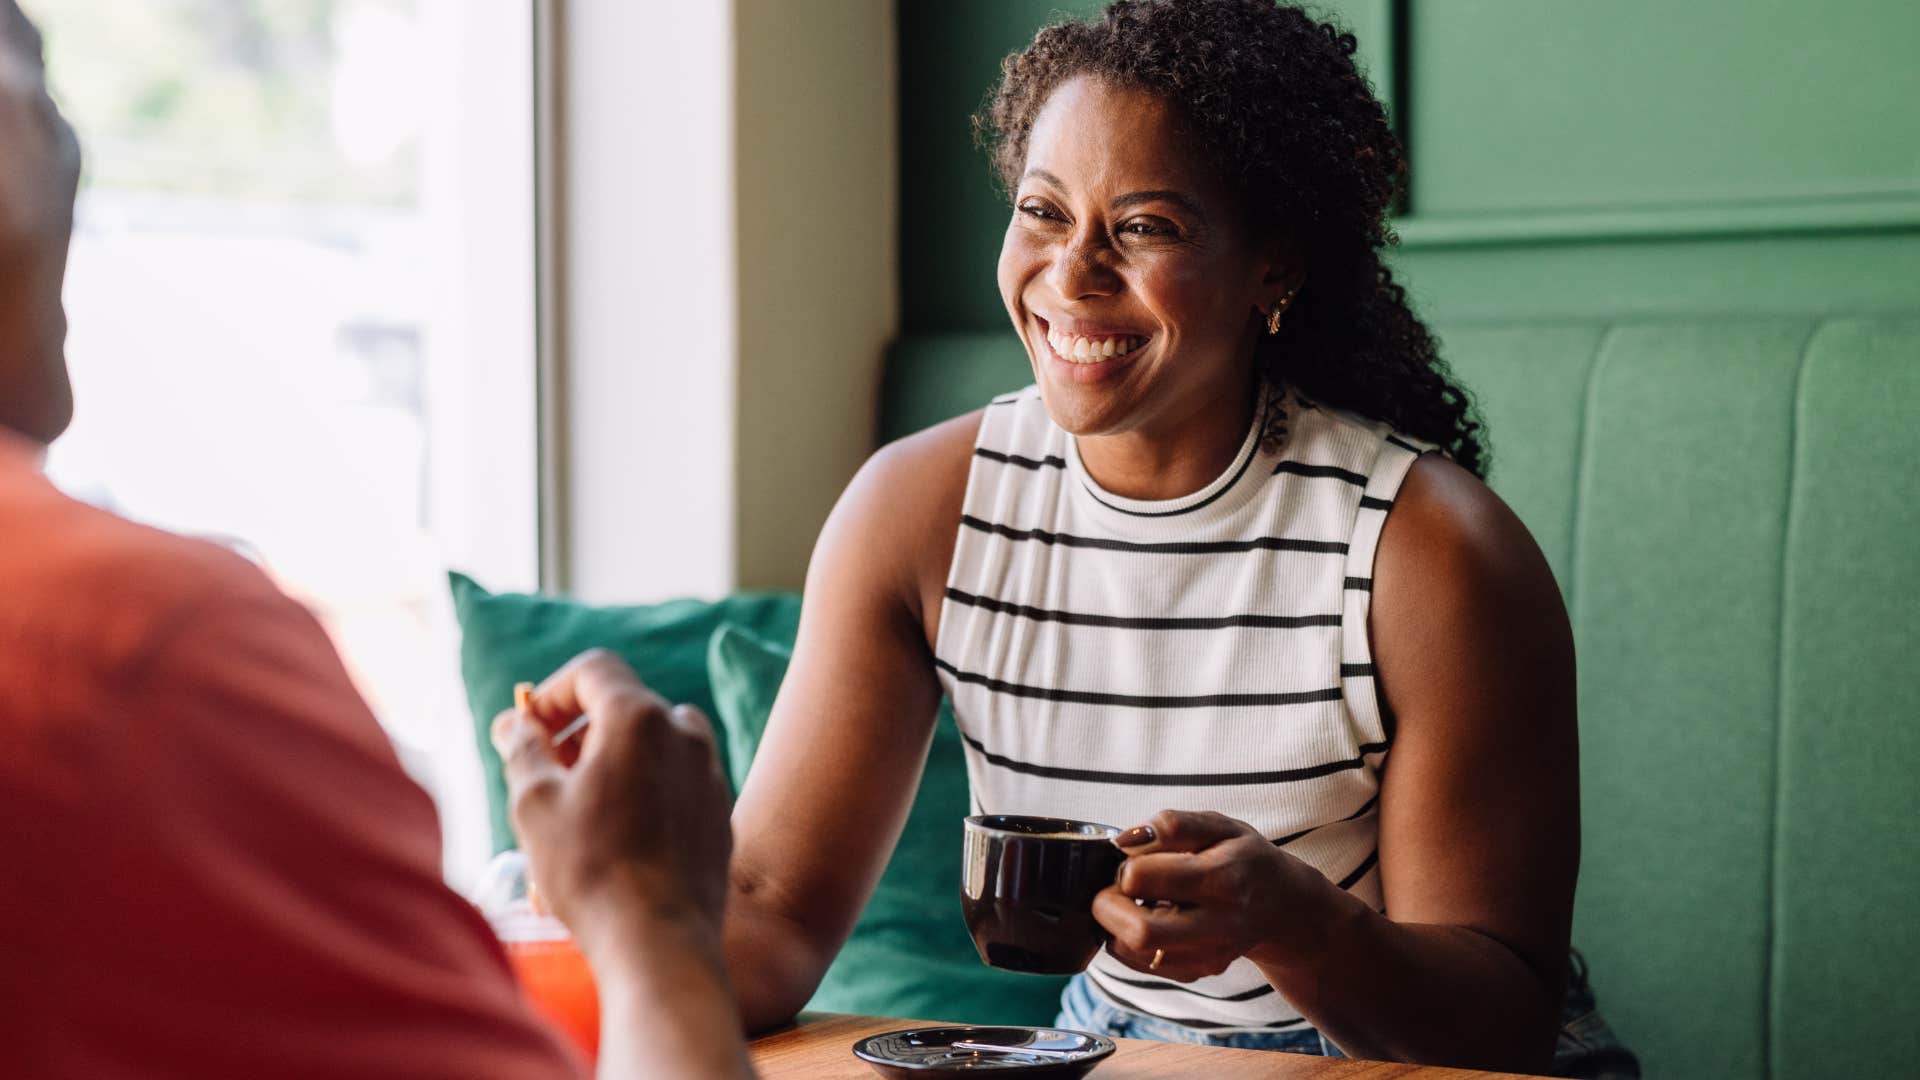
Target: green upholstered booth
1674	250
1729	508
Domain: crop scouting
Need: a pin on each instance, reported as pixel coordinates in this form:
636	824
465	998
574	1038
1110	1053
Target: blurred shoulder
90	586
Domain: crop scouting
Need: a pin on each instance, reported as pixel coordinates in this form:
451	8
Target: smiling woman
1225	575
1295	157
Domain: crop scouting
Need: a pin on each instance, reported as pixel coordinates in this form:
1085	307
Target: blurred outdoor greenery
237	98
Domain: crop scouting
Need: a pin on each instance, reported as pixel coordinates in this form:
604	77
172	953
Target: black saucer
1034	1053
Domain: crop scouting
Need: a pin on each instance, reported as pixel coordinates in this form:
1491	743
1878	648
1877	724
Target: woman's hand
1201	890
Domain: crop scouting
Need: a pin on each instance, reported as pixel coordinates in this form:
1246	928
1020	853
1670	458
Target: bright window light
301	298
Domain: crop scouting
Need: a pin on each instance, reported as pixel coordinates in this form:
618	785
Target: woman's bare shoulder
899	515
1464	602
1448	528
933	458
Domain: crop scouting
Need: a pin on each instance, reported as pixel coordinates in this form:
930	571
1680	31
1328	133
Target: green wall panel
1676	596
1848	921
1803	275
1532	105
1530	385
1372	24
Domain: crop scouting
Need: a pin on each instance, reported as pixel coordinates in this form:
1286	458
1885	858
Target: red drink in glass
550	968
557	981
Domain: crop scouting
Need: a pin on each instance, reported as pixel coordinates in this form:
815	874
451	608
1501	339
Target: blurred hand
1204	889
633	829
39	175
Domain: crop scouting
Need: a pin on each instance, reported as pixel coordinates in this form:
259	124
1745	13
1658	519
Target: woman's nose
1079	268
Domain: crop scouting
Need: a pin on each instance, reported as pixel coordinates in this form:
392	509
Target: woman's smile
1087	352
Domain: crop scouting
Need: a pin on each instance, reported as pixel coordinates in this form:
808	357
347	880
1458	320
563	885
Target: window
301	298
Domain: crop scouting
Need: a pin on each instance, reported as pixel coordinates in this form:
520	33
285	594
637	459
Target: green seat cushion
507	638
1846	917
1530	384
1676	595
910	954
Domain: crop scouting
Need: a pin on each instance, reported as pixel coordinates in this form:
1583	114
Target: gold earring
1279	309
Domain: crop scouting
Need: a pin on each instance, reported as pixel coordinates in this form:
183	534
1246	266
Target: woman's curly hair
1272	95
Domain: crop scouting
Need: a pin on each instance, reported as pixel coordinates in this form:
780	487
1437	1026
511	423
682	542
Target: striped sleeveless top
1108	658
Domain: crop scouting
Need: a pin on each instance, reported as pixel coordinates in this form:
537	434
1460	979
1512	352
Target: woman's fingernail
1135	837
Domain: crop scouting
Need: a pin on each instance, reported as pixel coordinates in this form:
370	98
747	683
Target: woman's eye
1147	228
1039	211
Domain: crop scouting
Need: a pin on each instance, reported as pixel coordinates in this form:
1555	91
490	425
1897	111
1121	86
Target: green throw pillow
910	955
508	638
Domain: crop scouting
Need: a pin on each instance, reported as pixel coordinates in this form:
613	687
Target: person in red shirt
211	863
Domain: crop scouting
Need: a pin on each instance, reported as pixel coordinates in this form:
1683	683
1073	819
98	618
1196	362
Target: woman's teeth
1080	350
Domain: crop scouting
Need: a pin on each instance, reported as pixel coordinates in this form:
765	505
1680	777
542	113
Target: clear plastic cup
551	969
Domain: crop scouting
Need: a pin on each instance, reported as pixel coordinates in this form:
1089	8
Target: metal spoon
523	700
579	725
996	1049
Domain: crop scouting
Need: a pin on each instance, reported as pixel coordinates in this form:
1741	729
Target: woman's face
1127	270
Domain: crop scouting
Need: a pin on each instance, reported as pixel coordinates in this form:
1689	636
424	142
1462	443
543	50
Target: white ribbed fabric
1108	658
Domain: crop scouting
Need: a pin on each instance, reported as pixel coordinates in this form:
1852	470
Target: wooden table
820	1045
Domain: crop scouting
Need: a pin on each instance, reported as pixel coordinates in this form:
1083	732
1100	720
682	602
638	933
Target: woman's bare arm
1479	801
841	761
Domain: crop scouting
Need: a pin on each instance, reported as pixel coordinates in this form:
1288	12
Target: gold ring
1158	955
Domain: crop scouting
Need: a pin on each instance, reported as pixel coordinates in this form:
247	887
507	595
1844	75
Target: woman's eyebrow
1042	174
1131	198
1135	198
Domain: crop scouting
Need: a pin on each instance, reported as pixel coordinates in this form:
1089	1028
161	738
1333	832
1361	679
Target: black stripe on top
1097	776
1404	444
1051	461
1193	1022
1369	502
1167	984
1331	472
1140	701
1007	399
1363	584
1070	618
1291	837
1184	547
1356	671
1360	871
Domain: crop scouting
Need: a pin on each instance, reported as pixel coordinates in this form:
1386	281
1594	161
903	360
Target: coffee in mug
1027	888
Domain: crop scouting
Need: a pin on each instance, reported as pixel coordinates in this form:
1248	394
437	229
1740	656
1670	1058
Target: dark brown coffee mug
1027	886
